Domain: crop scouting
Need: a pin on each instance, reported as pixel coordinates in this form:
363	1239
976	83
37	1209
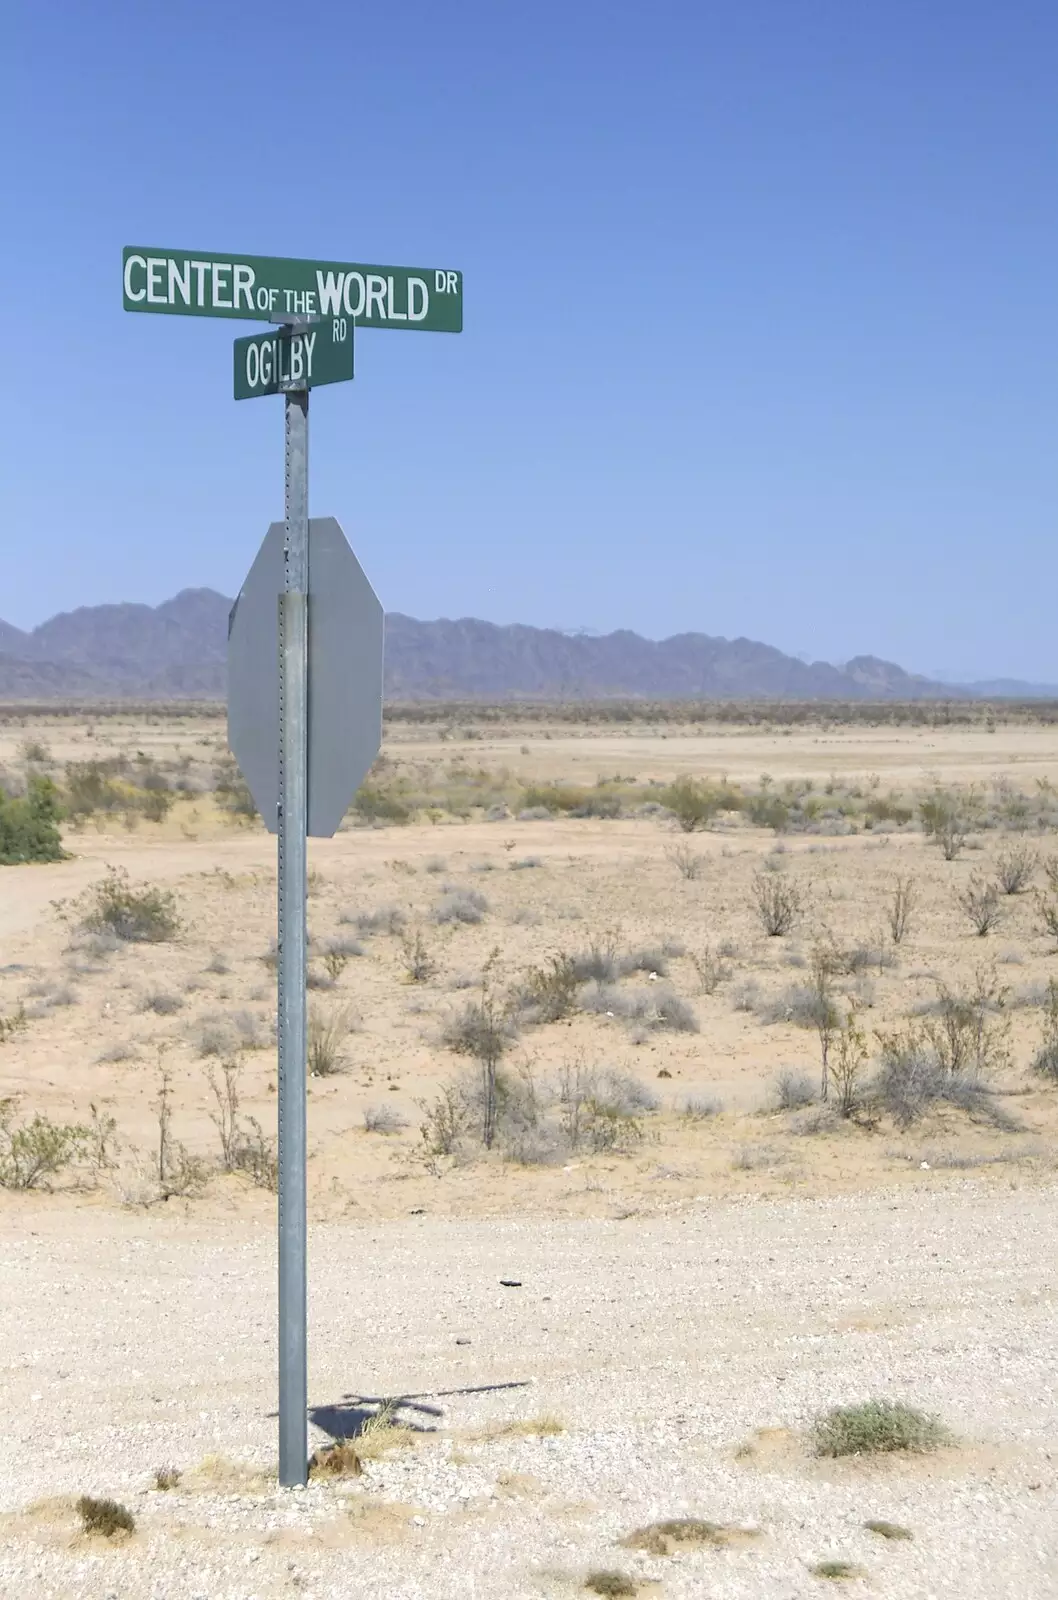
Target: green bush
693	803
145	915
379	805
32	1151
90	787
877	1427
29	827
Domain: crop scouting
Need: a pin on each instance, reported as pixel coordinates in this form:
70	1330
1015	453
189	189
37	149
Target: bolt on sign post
304	646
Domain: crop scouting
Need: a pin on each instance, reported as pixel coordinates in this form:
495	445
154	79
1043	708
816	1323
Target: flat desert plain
590	1255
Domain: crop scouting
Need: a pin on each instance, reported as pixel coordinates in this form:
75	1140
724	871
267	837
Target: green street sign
195	283
300	358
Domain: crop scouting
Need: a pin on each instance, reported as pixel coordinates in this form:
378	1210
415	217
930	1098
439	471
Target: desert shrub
968	1032
901	908
105	1516
416	957
232	792
658	1007
700	1108
484	1030
223	1033
799	1003
779	903
383	1119
663	1538
380	805
911	1080
688	863
1047	909
548	993
29	828
846	1065
599	963
161	1002
551	797
13	1024
943	821
338	1460
1014	868
166	1478
138	915
692	802
601	1109
386	919
445	1123
90	787
33	752
793	1090
461	905
649	959
875	1427
887	1530
980	901
33	1151
1045	1061
326	1036
608	1582
712	970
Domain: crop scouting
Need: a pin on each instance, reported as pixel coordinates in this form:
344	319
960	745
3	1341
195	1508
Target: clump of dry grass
838	1570
877	1427
662	1538
888	1530
338	1460
107	1517
608	1582
166	1478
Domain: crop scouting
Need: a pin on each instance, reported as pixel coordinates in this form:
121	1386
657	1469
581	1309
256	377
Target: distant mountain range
177	651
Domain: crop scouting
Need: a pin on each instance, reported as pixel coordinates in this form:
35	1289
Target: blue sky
759	298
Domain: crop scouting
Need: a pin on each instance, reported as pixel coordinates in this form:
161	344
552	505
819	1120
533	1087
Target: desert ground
617	1286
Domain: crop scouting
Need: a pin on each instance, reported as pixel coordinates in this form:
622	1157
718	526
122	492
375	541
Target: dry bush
980	901
224	1033
548	993
888	1530
877	1427
385	919
383	1119
107	1517
166	1478
137	915
244	1147
607	1582
658	1008
484	1030
712	970
700	1108
161	1002
460	905
1014	868
663	1538
779	902
846	1065
338	1460
689	863
326	1036
1047	908
793	1090
416	957
33	1151
1045	1061
901	908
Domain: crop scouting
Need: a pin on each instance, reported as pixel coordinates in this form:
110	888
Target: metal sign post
304	650
292	940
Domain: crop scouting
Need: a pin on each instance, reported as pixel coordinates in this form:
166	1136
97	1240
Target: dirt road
662	1346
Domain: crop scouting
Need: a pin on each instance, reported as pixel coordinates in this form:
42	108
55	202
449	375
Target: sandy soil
407	1236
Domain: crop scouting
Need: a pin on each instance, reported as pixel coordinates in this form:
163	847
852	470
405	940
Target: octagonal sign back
345	676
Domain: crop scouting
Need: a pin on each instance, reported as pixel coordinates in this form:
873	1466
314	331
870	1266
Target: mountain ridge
177	650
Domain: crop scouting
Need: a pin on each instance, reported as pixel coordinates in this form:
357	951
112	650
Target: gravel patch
664	1346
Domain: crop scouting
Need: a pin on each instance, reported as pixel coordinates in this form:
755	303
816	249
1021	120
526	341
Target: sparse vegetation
145	914
888	1530
608	1582
779	903
34	1151
688	863
793	1090
837	1570
326	1038
1015	867
29	825
1045	1061
901	908
338	1460
662	1538
876	1427
416	957
461	905
711	968
980	901
106	1517
383	1119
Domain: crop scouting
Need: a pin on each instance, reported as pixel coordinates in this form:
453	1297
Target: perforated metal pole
292	940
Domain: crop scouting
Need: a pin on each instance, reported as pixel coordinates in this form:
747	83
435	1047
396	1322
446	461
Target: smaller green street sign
284	359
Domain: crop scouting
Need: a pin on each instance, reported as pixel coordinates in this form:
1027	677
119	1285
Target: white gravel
131	1341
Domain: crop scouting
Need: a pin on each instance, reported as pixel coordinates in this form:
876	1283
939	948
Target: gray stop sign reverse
344	676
